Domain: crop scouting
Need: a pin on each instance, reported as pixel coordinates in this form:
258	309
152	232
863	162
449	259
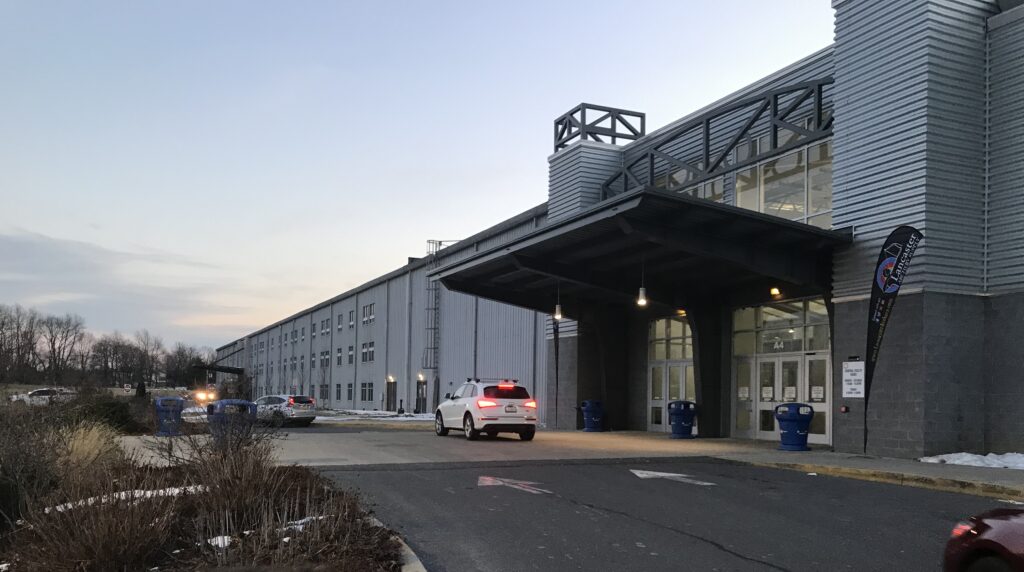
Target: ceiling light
558	312
775	291
641	298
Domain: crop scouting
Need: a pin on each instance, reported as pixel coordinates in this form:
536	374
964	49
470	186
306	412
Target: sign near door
853	379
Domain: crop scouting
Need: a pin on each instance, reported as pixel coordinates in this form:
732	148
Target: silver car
279	410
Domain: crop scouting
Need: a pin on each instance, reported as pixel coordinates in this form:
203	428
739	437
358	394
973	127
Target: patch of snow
1011	501
124	495
4	567
299	525
219	541
1004	461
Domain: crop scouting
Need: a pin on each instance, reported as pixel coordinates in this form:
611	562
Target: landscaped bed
72	499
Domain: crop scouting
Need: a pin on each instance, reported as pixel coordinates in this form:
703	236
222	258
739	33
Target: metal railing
606	125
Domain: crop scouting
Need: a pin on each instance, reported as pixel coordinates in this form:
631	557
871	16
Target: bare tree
60	338
151	353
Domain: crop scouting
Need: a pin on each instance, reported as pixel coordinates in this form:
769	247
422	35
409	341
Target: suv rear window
302	399
498	392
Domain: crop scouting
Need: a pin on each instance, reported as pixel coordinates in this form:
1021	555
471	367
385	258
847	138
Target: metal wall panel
397	339
908	138
575	176
1006	152
505	342
458	339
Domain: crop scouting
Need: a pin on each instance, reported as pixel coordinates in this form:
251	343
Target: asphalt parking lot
692	513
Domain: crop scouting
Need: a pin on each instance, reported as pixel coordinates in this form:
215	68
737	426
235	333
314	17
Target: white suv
279	410
488	407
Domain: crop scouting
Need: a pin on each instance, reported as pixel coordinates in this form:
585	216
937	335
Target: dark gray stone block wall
929	394
1004	373
568	374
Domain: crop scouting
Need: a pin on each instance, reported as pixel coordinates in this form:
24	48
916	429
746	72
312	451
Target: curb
920	481
410	562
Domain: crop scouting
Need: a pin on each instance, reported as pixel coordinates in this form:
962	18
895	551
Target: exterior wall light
391	379
419	376
558	312
775	292
641	298
681	313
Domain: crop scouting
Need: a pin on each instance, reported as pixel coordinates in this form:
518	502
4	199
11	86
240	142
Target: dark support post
712	376
554	331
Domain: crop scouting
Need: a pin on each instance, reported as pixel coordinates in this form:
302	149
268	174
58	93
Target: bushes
101	511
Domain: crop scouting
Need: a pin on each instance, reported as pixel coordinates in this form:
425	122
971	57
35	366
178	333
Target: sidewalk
1004	484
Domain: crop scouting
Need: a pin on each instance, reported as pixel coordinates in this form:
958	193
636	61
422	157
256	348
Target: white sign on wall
853	379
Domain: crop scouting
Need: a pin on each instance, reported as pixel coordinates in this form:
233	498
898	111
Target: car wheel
989	564
527	435
277	420
467	426
439	429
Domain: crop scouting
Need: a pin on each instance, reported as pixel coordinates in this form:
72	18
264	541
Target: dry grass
277	518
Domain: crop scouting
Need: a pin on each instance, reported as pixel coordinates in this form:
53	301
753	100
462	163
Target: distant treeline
36	348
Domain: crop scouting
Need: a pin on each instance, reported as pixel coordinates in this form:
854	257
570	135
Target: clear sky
203	168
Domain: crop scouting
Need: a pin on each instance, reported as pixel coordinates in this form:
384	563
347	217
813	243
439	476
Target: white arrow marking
670	476
520	485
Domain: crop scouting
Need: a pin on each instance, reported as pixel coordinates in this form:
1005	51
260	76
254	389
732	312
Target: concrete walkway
367	443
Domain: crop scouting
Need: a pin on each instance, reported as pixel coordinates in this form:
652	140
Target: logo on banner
882	276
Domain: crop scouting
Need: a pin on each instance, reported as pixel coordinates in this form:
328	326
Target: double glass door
668	381
762	383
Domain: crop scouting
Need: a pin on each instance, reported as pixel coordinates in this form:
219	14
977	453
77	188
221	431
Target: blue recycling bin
593	416
230	420
794	423
168	415
680	417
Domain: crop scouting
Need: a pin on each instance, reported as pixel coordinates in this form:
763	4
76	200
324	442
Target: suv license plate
510	409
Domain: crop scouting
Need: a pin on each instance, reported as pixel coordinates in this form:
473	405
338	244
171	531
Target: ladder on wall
432	348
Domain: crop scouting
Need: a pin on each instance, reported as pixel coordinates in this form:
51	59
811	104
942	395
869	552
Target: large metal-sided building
752	227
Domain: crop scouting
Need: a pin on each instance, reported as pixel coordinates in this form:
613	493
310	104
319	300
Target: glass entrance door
788	379
668	381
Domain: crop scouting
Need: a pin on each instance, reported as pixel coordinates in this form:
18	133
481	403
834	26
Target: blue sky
202	168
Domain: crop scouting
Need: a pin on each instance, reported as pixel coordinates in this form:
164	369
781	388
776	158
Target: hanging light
641	297
775	292
558	302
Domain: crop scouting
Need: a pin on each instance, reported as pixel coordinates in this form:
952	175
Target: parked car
992	541
45	396
279	410
489	408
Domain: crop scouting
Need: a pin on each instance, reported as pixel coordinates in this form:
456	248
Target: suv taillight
531	404
483	403
291	401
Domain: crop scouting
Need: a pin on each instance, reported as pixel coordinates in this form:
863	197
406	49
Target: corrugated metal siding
1006	155
878	176
909	137
458	343
575	176
505	341
418	335
955	216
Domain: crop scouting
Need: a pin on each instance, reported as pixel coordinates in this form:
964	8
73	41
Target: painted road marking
671	477
512	483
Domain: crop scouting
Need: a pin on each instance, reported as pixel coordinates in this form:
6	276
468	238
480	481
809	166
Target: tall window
364	350
340	357
366	391
670	339
339	322
368	314
369	348
796	326
351	355
312	361
337	392
795	186
351	319
349	392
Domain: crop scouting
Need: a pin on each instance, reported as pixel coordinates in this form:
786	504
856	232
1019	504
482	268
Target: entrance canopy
678	247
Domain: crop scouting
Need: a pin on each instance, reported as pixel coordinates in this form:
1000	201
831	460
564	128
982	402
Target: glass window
747	189
691	384
744	319
675	382
817	337
780	341
784	186
656	415
680	348
781	314
819	178
817	313
790	380
714	190
657	350
657	382
817	378
821	221
743	344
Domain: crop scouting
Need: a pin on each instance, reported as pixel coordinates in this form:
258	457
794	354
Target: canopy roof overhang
682	248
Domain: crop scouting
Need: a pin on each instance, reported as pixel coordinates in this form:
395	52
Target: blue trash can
794	423
168	415
593	416
680	418
230	420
